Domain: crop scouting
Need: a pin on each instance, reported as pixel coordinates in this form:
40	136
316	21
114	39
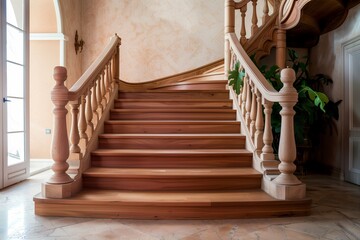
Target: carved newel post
287	147
60	142
228	28
59	185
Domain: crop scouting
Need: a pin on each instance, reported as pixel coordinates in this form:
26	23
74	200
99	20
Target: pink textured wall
159	37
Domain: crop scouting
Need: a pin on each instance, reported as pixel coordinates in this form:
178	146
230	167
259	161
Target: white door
14	95
352	113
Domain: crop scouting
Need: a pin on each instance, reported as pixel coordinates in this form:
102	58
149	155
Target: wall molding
48	36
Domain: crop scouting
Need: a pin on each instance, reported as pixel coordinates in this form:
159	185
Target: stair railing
254	108
89	101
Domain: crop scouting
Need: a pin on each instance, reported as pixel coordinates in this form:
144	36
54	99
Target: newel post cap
287	77
60	74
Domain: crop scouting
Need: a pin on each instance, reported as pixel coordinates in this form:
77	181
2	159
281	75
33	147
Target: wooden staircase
172	153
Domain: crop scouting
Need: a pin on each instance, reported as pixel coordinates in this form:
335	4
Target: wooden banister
257	97
89	99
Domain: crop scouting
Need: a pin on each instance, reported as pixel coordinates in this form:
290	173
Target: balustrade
88	98
257	98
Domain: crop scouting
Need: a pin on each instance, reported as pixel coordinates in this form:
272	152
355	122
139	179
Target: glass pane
355	89
15	13
15	45
15	149
15	81
15	114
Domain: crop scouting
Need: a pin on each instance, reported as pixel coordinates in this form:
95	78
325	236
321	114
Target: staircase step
173	103
177	205
160	179
172	141
176	94
117	126
173	114
167	158
200	85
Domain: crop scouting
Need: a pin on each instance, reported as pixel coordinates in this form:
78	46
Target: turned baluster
103	90
229	28
116	74
94	102
248	104
243	25
60	142
254	20
111	80
267	150
266	12
98	93
82	120
244	95
287	147
74	131
259	124
89	113
253	112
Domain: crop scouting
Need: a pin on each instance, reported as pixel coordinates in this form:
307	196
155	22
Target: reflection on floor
335	215
40	165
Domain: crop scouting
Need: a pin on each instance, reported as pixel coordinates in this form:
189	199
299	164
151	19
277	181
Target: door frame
19	171
348	47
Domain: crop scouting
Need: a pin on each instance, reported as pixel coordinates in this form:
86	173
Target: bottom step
176	205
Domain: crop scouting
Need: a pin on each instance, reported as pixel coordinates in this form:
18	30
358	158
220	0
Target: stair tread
91	196
181	91
173	122
169	152
177	110
171	135
171	100
171	172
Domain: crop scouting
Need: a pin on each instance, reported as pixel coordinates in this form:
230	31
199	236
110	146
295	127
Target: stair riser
171	161
172	105
174	95
164	143
204	86
168	129
172	116
159	211
173	184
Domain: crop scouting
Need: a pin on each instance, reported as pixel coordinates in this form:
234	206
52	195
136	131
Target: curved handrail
266	89
84	82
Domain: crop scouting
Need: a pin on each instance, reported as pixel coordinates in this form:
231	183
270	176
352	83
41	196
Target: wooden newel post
60	142
228	28
287	147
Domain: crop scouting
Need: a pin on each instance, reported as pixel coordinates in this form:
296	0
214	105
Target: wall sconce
78	44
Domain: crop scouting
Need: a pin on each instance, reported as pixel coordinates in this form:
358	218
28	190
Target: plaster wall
159	37
71	21
327	58
44	55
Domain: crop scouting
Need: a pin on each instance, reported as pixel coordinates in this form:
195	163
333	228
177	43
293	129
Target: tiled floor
335	215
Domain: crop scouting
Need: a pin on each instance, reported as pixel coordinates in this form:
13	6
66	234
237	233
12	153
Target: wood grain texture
167	158
172	103
172	141
177	205
169	127
195	94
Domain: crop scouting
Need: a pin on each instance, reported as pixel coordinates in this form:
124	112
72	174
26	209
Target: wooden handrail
266	89
95	69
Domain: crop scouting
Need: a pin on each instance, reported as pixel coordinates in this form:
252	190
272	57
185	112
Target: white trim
48	36
58	16
2	62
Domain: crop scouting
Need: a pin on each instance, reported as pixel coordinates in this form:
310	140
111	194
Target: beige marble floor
335	215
